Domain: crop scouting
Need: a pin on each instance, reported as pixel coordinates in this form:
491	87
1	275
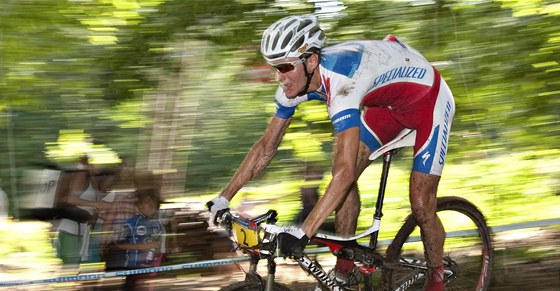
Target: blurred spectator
123	207
150	180
309	197
142	237
123	198
103	180
72	241
309	192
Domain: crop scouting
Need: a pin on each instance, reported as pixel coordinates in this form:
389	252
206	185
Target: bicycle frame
402	272
347	248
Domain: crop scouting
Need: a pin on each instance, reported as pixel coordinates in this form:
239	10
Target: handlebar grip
270	217
273	217
223	218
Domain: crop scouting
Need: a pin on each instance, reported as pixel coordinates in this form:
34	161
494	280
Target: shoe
434	280
348	281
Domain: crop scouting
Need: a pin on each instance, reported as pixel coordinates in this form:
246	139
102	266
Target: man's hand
292	241
215	205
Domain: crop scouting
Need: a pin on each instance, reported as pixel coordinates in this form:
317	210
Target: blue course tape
104	275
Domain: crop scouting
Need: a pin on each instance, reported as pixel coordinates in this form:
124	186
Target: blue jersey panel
343	60
368	138
316	96
142	231
284	112
424	159
346	119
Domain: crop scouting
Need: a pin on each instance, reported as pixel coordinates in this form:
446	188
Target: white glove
291	240
215	205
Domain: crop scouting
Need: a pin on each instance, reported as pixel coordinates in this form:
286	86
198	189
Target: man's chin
290	95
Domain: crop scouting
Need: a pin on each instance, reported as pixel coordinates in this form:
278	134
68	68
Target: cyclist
373	90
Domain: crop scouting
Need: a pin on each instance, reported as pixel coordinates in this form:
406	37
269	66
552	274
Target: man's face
291	74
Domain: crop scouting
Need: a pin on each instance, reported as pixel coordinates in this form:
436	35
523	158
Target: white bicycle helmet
292	36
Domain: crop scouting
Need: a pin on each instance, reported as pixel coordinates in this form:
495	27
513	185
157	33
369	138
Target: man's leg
423	191
347	213
377	127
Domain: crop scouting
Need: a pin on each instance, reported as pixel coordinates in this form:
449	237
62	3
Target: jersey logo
141	230
425	157
303	48
403	72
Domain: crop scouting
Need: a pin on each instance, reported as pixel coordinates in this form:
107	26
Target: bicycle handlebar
246	233
224	218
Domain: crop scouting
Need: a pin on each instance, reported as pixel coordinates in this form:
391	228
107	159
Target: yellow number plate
245	236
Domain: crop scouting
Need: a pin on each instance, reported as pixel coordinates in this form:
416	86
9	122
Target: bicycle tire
470	258
253	286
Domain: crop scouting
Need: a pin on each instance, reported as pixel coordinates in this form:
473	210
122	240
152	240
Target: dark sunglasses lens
284	68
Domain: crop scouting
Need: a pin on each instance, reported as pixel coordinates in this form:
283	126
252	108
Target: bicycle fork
253	276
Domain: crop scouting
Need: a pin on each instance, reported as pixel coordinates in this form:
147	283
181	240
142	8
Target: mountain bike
468	250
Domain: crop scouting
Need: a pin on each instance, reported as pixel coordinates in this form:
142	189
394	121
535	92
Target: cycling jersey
394	86
139	230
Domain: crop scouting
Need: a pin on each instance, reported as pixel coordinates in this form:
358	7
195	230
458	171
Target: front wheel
468	252
253	286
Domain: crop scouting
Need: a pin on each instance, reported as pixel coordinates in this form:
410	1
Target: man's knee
423	214
423	200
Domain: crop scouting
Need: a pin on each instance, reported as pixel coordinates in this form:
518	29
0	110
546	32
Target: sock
344	266
434	281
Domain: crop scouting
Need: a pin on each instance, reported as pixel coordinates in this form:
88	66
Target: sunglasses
287	66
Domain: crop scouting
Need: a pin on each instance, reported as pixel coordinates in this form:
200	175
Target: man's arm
259	157
344	175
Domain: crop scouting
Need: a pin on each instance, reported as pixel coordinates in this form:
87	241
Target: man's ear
313	60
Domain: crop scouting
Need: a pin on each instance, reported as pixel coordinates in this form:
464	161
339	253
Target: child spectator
142	236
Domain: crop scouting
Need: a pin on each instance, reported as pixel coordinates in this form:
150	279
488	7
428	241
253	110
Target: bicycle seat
405	138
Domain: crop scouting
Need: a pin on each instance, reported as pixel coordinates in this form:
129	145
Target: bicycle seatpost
387	157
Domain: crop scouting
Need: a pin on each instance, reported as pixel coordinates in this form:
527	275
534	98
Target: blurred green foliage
185	78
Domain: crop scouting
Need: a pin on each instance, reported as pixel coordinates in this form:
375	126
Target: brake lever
272	217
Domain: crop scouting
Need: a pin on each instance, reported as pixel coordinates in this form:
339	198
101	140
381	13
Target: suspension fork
387	157
271	265
252	276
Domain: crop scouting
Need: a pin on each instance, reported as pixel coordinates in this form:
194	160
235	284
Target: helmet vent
290	23
267	41
287	39
298	43
303	24
275	42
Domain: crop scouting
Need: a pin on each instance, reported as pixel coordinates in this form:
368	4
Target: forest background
180	87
